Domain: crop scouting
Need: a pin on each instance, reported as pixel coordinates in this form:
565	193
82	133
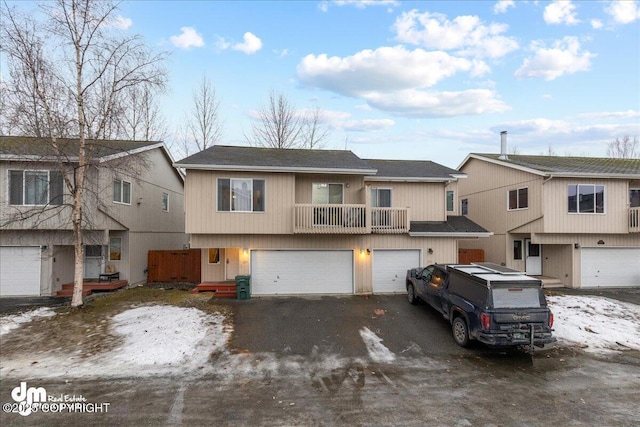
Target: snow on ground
597	324
9	323
377	351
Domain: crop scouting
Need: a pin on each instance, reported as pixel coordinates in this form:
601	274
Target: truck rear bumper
515	339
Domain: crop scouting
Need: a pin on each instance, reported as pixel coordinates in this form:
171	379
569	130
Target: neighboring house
575	219
319	221
133	203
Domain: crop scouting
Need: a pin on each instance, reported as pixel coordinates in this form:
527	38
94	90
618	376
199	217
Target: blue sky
430	80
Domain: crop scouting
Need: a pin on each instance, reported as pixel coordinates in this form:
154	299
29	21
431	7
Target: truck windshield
516	297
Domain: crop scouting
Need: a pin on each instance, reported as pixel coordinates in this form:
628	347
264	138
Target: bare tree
278	125
71	72
139	116
314	129
624	148
204	126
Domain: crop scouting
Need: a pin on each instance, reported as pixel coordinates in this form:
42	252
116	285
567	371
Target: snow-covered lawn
596	324
170	340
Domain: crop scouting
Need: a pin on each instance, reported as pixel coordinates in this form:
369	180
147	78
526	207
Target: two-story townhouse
134	202
573	219
319	221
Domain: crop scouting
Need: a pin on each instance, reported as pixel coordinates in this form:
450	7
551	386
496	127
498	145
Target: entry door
92	261
533	260
232	260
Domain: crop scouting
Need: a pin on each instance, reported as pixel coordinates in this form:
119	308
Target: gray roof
333	161
572	165
33	148
412	169
453	225
256	158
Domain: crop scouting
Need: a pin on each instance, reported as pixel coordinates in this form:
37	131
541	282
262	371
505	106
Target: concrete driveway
12	305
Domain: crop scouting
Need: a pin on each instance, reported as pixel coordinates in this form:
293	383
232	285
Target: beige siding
453	186
426	201
588	240
558	261
202	210
487	191
557	219
444	250
494	247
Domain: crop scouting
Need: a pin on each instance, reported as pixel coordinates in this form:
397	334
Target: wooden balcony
349	219
634	220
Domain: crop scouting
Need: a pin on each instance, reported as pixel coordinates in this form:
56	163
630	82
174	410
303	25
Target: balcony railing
634	220
389	220
349	219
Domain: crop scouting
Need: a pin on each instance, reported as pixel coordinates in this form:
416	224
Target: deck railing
349	219
634	220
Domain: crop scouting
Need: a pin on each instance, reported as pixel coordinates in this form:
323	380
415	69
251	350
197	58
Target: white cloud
251	44
561	12
564	57
596	24
466	34
383	69
188	38
629	114
502	5
281	53
121	22
422	103
623	11
367	125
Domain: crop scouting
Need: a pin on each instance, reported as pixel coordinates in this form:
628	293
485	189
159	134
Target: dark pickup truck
486	302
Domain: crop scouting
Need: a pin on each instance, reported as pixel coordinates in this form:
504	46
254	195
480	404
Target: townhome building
320	221
133	203
573	220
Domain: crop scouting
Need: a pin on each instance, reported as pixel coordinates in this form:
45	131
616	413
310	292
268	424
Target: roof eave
238	168
451	234
502	163
407	179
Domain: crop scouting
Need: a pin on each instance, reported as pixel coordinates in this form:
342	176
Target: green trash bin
243	287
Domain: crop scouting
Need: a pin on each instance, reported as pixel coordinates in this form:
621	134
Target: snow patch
9	323
377	351
598	324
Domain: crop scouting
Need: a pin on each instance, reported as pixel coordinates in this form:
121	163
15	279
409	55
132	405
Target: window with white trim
634	197
518	199
585	198
450	199
464	206
213	255
241	195
326	194
381	197
115	248
121	191
517	249
35	187
165	202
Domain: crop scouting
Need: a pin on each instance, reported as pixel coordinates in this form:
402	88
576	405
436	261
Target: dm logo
26	397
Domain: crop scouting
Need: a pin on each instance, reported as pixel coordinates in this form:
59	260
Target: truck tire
411	294
460	331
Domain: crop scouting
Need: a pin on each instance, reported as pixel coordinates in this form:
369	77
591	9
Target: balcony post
367	208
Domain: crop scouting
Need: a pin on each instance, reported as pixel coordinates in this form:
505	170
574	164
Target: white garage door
610	267
19	270
390	269
301	272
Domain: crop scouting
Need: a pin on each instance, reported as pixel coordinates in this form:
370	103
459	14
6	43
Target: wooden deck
89	287
221	289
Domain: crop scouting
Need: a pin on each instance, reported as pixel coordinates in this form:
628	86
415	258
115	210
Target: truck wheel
411	294
460	331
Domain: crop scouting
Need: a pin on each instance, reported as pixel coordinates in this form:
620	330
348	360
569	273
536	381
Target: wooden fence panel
467	256
174	266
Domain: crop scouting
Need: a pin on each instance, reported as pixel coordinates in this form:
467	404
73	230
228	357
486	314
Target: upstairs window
326	194
450	201
165	202
634	197
464	207
241	195
585	198
381	197
35	187
121	191
518	199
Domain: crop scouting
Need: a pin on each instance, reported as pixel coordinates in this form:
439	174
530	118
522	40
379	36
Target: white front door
533	261
92	261
232	260
390	269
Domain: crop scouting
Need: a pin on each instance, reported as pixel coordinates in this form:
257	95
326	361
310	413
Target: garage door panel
301	272
610	267
390	269
19	271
